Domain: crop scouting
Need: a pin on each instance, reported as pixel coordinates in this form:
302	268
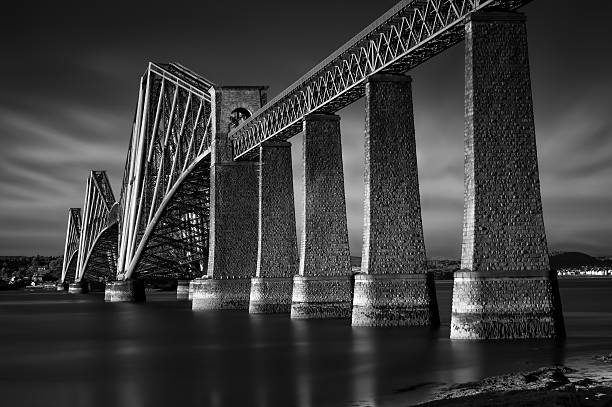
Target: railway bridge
207	194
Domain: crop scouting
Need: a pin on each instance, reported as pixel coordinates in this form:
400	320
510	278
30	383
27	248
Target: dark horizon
70	91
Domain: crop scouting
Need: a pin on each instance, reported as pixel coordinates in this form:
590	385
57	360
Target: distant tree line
18	268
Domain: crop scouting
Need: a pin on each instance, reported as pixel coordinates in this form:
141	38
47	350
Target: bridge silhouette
207	193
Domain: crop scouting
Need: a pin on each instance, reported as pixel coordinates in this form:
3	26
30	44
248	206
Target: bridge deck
405	36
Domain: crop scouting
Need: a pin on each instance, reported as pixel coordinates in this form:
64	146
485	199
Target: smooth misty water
58	349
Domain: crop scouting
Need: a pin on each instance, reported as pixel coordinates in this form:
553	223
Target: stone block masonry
323	287
232	258
218	294
489	306
395	300
78	287
125	291
270	295
277	257
394	289
233	221
182	290
190	295
505	288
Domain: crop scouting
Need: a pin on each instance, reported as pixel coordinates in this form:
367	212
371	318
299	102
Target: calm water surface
58	349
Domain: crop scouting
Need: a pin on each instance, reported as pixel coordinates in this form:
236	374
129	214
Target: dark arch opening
239	115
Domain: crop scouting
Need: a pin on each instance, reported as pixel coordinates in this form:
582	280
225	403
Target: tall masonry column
394	288
323	287
232	255
277	257
505	288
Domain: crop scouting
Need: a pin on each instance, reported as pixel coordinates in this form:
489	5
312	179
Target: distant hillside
573	259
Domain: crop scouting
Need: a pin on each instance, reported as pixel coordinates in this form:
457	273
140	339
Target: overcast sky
69	83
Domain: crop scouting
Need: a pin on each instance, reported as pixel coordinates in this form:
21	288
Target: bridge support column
232	255
505	289
323	287
190	294
232	258
61	286
80	287
277	256
125	291
182	289
394	288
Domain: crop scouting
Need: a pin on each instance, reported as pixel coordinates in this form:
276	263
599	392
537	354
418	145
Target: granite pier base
217	294
489	306
108	291
190	293
182	290
395	300
270	295
318	297
125	291
81	287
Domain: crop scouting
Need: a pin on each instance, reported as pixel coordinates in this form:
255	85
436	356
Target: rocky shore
584	384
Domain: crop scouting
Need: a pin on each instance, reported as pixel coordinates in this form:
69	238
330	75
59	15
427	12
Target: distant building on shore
587	271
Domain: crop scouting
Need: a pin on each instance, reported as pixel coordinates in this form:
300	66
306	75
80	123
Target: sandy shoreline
583	382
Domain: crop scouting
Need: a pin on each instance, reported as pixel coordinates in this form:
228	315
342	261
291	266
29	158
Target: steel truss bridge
165	192
159	226
97	249
71	248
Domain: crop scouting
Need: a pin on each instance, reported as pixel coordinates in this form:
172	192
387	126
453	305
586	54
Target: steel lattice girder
101	262
407	35
99	214
71	247
177	244
171	136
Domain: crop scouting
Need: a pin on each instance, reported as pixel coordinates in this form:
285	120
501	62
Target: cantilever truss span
97	255
71	247
407	35
164	198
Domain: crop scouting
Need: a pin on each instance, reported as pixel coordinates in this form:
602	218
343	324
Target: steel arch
171	137
99	212
101	261
71	247
70	273
175	242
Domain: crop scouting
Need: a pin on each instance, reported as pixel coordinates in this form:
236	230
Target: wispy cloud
67	104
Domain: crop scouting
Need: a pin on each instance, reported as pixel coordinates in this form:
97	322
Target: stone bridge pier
232	258
322	289
505	288
277	257
393	288
78	287
131	290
